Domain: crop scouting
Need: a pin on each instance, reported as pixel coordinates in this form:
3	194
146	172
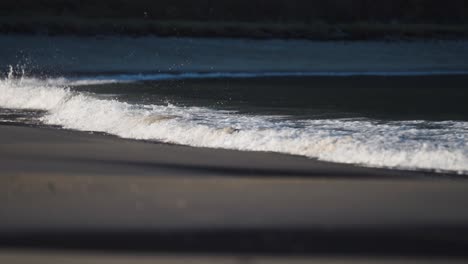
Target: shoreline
320	169
309	167
384	105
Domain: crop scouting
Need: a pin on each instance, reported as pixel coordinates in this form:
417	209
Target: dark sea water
410	112
318	97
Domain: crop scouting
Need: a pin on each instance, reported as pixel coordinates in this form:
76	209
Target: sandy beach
75	190
233	131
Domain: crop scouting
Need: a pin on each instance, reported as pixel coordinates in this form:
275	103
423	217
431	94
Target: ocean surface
403	117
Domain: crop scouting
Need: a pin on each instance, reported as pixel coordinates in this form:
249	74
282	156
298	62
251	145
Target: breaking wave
428	145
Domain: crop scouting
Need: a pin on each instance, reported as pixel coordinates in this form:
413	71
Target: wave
438	146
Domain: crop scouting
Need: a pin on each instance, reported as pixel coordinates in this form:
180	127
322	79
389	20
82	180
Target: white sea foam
440	146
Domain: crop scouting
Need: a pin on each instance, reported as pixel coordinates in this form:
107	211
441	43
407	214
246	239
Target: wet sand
73	190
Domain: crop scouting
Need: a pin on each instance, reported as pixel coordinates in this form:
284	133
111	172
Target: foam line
439	146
